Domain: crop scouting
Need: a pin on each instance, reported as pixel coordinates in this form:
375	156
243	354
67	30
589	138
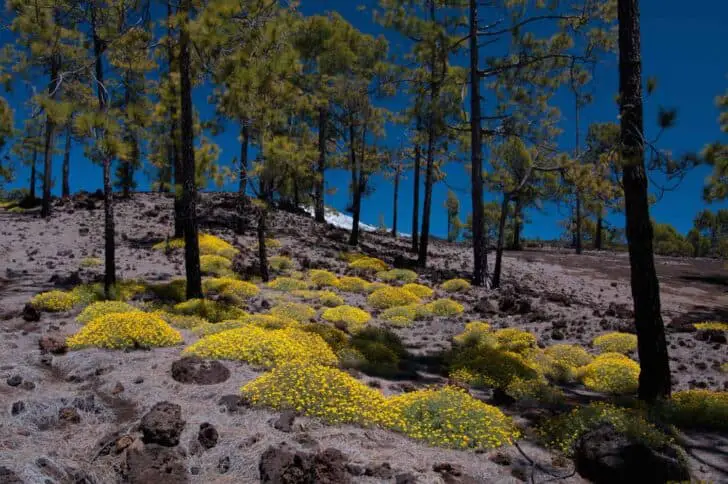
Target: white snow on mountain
344	221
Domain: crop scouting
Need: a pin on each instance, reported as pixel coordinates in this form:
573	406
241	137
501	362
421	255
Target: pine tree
716	154
452	207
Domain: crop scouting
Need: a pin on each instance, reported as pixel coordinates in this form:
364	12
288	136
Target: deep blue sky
683	47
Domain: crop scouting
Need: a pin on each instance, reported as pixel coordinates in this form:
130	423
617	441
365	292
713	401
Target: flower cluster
213	311
443	307
711	326
354	284
475	333
209	245
616	343
265	321
54	301
181	321
382	350
563	431
455	285
273	243
135	329
388	297
174	290
322	278
280	263
401	275
490	367
419	290
293	310
265	347
215	264
330	299
354	318
699	408
537	390
320	391
514	339
611	373
449	417
287	284
91	262
102	308
229	286
401	315
563	360
335	338
368	264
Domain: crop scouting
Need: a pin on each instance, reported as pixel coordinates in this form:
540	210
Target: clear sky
684	47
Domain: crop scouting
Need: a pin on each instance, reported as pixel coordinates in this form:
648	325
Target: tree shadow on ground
713	279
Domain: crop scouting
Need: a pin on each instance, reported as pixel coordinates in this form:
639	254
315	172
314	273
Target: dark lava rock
232	403
620	311
201	372
7	476
284	423
407	478
207	436
69	281
284	465
17	408
604	455
453	474
154	464
30	314
163	424
52	344
69	415
557	335
14	380
223	465
711	336
27	385
501	459
380	471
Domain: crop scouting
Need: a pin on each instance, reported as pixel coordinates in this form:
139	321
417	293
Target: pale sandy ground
32	250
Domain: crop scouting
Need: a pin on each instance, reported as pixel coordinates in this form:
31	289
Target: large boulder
285	465
163	424
199	371
604	455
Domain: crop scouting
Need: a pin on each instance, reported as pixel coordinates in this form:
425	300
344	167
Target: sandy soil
573	298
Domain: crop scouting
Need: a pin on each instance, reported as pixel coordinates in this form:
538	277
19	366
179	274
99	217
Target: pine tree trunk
262	250
517	224
66	189
397	175
577	233
416	194
654	380
45	210
243	177
355	186
598	233
319	214
501	241
33	174
480	250
189	190
173	128
129	165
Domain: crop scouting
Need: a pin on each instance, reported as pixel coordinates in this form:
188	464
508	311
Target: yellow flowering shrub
265	321
443	307
91	262
353	318
699	408
335	338
292	310
563	431
209	245
102	308
419	290
368	264
350	256
235	289
382	350
611	373
375	286
287	284
180	321
514	339
213	328
54	301
401	315
712	326
490	367
455	285
401	275
535	390
174	290
273	243
280	263
330	299
615	343
449	417
475	332
564	360
724	367
125	330
320	391
389	297
354	284
322	278
213	311
265	347
215	264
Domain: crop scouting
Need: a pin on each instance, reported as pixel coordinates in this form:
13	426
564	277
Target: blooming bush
449	417
475	333
292	310
330	299
273	243
443	307
265	321
382	350
280	263
616	343
125	330
215	264
455	285
320	391
401	275
418	290
54	301
353	318
354	284
516	340
368	264
101	308
213	311
209	245
335	338
174	290
535	390
562	432
388	297
401	315
712	326
564	360
699	408
322	278
91	262
287	284
611	373
180	321
233	288
265	347
490	367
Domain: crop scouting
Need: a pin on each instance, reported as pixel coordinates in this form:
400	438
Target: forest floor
571	299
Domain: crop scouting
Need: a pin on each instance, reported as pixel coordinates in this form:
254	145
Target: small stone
405	479
30	314
27	385
69	415
195	470
138	380
17	408
118	388
501	459
207	436
14	380
223	465
284	423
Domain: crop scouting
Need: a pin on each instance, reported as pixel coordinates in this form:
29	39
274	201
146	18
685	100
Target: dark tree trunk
189	190
416	194
577	230
33	174
243	177
598	233
129	166
321	167
65	188
356	190
45	210
397	175
173	128
480	251
517	224
262	250
501	241
654	380
109	230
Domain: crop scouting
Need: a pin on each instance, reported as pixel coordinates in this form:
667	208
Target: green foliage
381	349
215	264
353	319
442	308
400	275
611	373
488	366
368	265
322	278
212	311
335	338
296	311
667	241
287	284
54	301
280	263
455	285
174	290
698	409
354	284
418	290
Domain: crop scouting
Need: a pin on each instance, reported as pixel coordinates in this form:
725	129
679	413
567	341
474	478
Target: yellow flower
616	343
455	285
54	301
125	330
388	297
